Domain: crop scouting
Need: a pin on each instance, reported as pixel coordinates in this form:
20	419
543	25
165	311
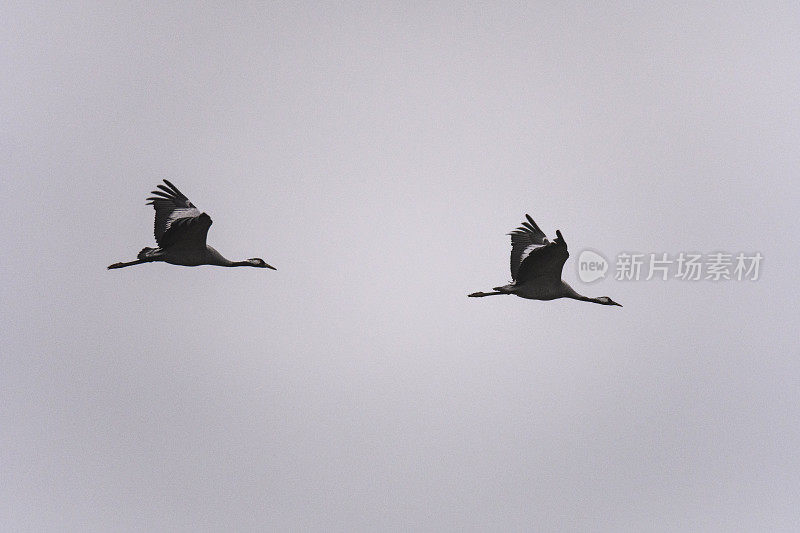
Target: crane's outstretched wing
177	219
524	240
547	260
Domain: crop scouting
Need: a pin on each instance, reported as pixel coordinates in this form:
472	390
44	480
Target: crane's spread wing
177	219
547	260
524	240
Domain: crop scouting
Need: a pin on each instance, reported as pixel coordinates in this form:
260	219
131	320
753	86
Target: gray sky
377	153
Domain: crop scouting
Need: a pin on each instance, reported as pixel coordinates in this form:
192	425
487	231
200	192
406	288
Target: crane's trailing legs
123	265
147	255
477	294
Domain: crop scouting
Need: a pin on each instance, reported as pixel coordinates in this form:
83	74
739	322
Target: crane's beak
269	266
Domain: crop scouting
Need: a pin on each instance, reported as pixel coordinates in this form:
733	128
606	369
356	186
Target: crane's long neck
586	299
571	293
221	261
213	257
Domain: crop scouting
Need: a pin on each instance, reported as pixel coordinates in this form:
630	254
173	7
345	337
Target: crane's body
180	230
189	257
538	291
536	265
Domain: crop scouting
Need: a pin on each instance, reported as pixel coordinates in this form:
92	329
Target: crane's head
258	262
605	300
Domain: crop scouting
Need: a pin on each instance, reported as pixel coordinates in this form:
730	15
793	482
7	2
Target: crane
536	265
180	230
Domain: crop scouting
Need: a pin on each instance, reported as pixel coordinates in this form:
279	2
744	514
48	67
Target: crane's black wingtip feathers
175	190
168	190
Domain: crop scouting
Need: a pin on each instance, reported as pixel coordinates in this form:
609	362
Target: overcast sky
376	154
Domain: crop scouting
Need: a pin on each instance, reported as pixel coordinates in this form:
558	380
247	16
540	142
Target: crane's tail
148	254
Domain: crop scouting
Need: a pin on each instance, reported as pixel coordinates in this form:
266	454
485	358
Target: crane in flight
536	265
180	230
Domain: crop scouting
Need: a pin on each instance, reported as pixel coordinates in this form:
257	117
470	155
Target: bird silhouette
180	230
536	265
